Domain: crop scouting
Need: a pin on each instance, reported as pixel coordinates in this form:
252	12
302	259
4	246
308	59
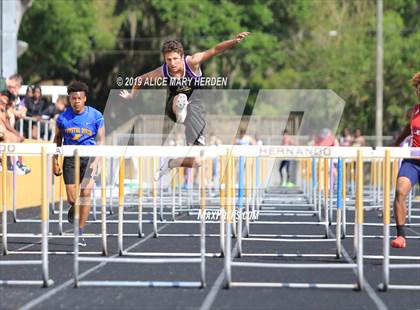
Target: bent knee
402	191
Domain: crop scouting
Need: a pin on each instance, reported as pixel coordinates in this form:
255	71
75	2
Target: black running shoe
70	215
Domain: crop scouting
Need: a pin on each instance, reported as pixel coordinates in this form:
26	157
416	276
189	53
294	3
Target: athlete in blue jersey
79	125
182	106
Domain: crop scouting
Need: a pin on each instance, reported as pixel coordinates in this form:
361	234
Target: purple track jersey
185	84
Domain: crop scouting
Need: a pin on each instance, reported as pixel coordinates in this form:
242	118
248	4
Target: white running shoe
82	242
163	170
181	108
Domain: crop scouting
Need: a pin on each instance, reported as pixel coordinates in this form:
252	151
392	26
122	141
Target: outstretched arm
139	81
198	58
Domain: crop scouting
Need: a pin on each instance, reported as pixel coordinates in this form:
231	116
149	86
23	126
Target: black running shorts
195	122
68	169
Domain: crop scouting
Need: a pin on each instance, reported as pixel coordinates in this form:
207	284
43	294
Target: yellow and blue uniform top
80	129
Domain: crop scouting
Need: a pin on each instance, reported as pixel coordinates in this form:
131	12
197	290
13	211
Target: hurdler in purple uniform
182	106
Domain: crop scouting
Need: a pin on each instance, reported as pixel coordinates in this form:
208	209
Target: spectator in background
12	84
19	108
11	87
51	110
8	134
59	107
258	140
285	164
28	96
37	105
358	139
244	139
326	138
35	109
345	138
10	112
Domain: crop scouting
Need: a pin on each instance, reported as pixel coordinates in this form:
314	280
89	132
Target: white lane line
66	284
368	288
414	231
67	231
211	296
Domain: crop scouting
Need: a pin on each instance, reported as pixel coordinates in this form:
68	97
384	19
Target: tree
59	35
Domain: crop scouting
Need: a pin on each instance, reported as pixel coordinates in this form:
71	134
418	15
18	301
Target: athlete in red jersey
409	173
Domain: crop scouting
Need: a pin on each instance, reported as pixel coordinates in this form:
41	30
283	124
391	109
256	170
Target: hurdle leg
319	190
203	224
331	188
60	206
121	206
241	196
174	176
45	269
344	194
203	251
103	207
247	216
410	204
386	221
234	229
326	220
228	274
155	231
359	220
222	231
4	203
140	199
14	190
52	178
355	238
222	191
94	202
326	198
338	232
234	204
190	190
161	200
76	221
180	178
360	276
44	217
50	187
240	213
111	205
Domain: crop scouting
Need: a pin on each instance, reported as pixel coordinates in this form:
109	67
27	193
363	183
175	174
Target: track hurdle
46	281
176	258
294	237
358	265
387	266
33	150
319	203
